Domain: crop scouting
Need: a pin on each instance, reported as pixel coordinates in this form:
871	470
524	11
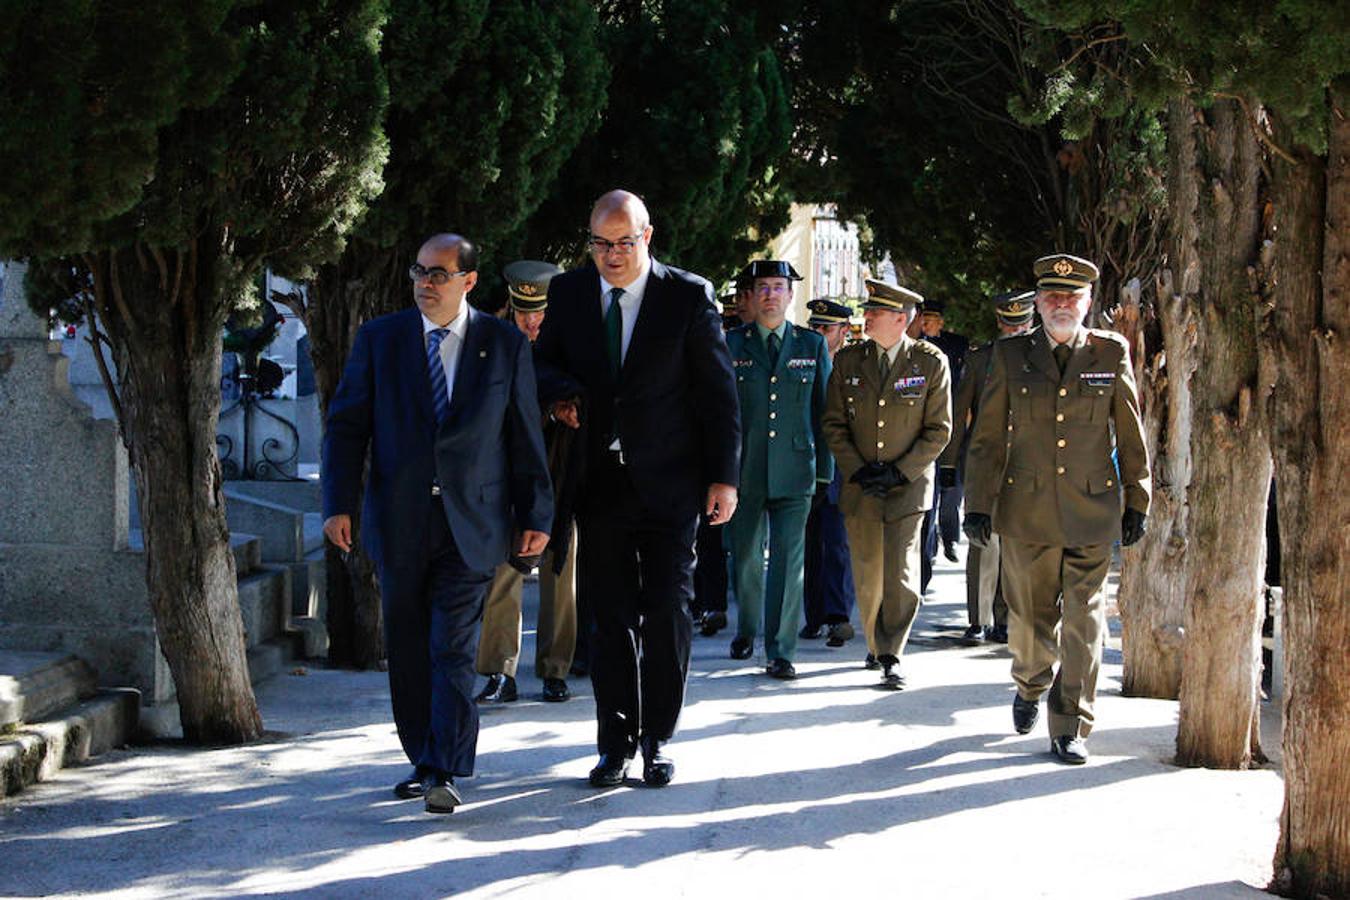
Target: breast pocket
1031	400
804	378
1094	399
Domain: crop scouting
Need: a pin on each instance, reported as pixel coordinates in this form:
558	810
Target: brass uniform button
773	434
1064	392
774	415
1059	443
881	403
1059	470
1059	417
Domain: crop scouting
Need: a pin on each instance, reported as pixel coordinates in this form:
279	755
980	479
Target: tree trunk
1215	244
1310	412
164	310
361	285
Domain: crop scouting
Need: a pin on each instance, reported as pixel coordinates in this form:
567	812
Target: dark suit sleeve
824	459
963	408
531	493
347	431
713	386
988	453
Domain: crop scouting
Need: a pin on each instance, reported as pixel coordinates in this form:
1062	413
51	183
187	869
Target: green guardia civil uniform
1040	462
904	418
783	456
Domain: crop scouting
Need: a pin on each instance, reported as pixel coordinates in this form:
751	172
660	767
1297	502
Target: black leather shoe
1069	749
999	634
411	787
870	663
657	768
811	632
499	689
891	679
974	636
781	668
441	795
742	648
840	634
949	551
609	771
712	622
555	690
1025	714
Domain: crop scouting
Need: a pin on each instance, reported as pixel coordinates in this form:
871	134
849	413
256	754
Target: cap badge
1063	267
527	289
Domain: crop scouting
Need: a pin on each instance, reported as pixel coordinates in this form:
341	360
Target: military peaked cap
1014	307
527	283
936	307
827	312
881	295
1062	272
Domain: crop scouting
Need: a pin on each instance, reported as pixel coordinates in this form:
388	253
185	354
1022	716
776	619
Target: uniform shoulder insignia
930	349
1103	336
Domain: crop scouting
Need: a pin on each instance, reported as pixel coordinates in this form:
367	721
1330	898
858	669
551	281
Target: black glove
979	528
524	564
946	477
820	496
867	472
889	477
1132	527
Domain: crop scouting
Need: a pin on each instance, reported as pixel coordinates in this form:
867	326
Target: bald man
644	342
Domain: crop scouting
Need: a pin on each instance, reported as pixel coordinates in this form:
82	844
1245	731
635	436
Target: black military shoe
657	768
610	770
1069	749
742	648
499	689
411	787
891	679
999	634
840	634
949	551
1025	714
781	668
870	663
441	795
974	636
711	623
811	632
555	690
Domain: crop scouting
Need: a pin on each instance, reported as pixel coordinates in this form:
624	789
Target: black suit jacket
488	456
674	408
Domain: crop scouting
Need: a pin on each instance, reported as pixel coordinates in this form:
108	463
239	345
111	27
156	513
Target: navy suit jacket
674	407
488	456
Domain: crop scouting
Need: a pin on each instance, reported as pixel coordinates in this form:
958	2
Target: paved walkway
823	788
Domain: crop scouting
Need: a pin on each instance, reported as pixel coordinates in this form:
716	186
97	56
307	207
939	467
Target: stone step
264	602
303	495
33	685
281	529
34	752
247	552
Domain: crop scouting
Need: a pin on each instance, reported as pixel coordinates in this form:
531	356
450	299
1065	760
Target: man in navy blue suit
645	343
444	397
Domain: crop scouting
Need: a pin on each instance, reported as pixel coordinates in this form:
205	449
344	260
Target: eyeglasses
436	275
624	245
777	290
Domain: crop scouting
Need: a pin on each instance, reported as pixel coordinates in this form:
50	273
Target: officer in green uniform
1058	402
781	374
527	283
986	610
887	417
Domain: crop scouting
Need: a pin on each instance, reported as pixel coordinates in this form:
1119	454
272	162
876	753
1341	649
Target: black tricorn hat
772	268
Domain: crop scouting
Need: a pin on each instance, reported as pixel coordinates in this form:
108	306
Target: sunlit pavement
823	787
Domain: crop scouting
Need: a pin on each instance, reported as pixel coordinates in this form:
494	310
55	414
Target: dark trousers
710	570
949	510
636	569
829	594
432	605
928	545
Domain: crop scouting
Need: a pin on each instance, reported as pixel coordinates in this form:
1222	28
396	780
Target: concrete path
824	788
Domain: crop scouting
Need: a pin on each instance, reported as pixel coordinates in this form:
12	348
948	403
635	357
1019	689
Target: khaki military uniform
984	601
556	633
904	419
1040	463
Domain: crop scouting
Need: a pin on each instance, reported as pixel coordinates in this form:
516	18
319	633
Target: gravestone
71	576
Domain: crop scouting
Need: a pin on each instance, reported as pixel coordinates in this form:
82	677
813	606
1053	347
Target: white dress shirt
450	344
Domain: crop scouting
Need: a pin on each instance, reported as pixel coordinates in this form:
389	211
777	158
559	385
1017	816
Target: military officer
827	600
711	578
986	610
555	637
944	518
887	418
781	373
1057	403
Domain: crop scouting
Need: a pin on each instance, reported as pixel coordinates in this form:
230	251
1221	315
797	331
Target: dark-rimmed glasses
436	275
624	245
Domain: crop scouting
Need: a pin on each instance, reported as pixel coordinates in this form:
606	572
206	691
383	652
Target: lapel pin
482	354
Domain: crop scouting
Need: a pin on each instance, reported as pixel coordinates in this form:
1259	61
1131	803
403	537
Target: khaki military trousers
1056	614
886	558
556	634
984	600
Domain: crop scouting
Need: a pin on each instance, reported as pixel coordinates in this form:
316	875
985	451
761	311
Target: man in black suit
645	343
444	397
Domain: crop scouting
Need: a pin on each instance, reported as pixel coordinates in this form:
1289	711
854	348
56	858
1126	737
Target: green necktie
614	332
1062	352
773	349
885	362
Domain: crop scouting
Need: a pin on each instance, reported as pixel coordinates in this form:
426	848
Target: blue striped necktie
440	400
